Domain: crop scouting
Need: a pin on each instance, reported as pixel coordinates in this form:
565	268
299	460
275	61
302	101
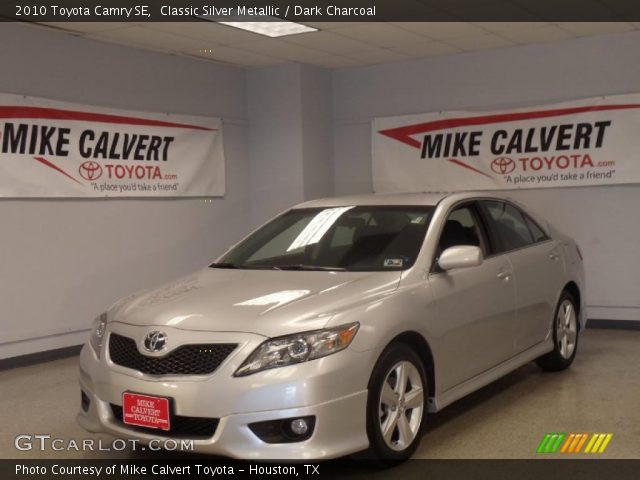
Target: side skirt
485	378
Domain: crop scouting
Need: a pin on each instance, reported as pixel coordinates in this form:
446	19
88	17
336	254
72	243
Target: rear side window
508	225
536	231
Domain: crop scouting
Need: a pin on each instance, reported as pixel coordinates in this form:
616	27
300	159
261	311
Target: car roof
425	198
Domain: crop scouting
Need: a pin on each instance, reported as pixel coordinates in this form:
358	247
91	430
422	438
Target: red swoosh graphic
403	134
57	114
46	162
466	165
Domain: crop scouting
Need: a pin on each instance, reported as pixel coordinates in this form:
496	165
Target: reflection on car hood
266	302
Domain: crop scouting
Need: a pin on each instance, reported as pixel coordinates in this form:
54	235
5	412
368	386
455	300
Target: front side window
354	238
461	228
508	225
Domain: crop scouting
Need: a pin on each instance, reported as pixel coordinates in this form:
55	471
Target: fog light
284	430
299	426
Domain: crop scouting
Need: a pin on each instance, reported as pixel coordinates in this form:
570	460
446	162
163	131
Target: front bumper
333	389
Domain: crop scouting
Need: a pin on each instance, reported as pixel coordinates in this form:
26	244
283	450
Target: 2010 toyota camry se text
337	327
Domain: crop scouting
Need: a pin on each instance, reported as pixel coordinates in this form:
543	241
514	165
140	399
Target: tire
566	331
395	421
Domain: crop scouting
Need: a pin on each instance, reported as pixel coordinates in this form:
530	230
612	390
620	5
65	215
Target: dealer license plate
145	411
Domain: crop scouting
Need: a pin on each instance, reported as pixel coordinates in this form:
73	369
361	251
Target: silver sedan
337	327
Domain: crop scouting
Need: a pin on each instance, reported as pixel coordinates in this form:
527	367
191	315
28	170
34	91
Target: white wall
291	147
275	113
317	128
64	261
604	220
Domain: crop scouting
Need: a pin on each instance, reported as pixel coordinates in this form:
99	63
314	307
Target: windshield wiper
224	265
297	266
310	268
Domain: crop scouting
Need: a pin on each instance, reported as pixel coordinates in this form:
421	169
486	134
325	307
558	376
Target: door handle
504	275
554	256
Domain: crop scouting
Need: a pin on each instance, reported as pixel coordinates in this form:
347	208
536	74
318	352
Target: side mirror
460	256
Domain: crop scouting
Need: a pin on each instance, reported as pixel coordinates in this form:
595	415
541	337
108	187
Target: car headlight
298	348
97	332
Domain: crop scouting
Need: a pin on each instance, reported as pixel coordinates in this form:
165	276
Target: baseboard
614	324
39	357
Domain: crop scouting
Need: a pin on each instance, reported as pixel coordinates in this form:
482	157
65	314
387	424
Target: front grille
192	359
186	427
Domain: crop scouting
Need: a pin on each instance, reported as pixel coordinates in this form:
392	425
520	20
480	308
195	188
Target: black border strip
614	324
39	357
543	467
335	11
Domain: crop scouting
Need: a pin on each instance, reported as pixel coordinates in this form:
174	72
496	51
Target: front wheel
396	407
565	336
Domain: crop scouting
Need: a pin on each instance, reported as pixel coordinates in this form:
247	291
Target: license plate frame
153	412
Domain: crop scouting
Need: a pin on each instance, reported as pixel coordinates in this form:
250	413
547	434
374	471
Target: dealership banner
55	149
579	143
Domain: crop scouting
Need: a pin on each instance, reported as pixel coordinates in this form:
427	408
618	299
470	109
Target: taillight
579	252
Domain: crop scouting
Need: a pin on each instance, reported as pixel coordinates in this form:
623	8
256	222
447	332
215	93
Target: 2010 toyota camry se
336	327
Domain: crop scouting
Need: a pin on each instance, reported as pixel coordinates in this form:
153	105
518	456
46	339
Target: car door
475	305
537	267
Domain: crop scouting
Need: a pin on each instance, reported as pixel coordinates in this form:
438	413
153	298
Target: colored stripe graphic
574	442
550	443
598	442
581	443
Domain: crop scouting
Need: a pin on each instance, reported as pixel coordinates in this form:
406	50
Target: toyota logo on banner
155	341
503	165
90	170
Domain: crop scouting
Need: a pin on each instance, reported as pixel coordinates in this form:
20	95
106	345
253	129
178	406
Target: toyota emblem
503	165
155	341
90	170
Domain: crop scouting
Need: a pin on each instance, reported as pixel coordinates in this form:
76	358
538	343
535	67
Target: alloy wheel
401	405
566	329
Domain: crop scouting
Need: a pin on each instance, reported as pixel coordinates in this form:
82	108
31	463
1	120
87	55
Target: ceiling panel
334	25
207	31
499	27
382	34
148	38
88	27
442	30
336	44
537	34
480	42
328	42
426	49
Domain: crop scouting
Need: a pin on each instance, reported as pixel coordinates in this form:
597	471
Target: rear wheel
565	336
396	406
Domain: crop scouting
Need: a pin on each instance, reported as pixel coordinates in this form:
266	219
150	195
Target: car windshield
353	238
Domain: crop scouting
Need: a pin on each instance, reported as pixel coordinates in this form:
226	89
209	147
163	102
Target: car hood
265	302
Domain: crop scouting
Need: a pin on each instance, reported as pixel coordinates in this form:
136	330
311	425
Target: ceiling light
272	29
